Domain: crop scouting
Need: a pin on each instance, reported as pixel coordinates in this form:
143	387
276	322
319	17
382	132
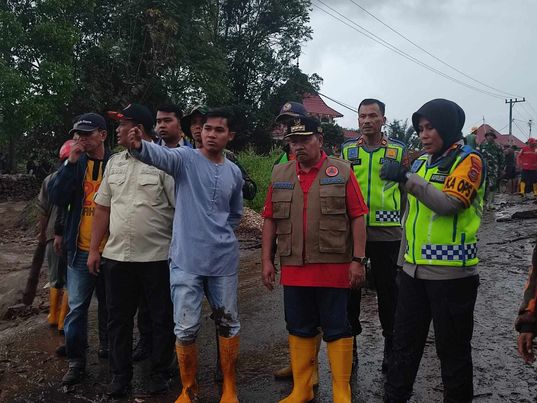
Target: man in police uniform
316	210
367	155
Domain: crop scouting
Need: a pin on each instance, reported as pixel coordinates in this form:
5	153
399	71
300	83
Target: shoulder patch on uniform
283	185
416	165
332	181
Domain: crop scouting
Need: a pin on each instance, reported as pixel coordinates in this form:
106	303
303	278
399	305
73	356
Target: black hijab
446	117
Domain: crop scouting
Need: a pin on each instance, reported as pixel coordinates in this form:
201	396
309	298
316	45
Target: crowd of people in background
129	225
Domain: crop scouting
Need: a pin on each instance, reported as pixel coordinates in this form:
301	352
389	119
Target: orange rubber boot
64	310
229	352
187	355
54	299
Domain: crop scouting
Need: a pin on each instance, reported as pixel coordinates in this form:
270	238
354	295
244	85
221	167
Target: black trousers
143	319
450	305
383	257
125	281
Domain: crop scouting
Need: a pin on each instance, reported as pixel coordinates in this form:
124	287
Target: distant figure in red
527	161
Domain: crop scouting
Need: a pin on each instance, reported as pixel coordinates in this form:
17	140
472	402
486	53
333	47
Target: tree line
60	58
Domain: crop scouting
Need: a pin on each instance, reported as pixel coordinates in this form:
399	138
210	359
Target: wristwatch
362	260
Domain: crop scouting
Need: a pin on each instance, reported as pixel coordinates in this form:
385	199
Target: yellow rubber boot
287	372
187	355
315	377
303	355
522	188
54	299
340	357
64	310
229	352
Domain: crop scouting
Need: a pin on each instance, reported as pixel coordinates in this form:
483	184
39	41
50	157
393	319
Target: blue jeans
187	292
80	286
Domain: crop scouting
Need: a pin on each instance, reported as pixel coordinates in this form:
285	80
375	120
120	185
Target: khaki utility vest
328	233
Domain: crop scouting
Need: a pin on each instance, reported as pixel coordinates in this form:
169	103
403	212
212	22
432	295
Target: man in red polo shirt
315	209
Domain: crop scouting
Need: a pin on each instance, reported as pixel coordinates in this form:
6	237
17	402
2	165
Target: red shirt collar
315	168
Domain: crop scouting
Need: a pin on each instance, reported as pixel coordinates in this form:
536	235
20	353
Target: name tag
332	181
283	185
438	178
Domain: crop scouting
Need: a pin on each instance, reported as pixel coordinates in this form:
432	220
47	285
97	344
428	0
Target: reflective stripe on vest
383	198
442	240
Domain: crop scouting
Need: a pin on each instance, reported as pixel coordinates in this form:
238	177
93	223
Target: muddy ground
30	372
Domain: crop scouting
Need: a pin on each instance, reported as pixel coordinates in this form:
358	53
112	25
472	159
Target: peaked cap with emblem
303	126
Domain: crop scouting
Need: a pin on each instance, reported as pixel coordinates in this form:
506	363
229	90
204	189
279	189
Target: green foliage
60	58
332	134
259	167
404	132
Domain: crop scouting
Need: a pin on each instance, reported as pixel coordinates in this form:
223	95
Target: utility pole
530	123
511	102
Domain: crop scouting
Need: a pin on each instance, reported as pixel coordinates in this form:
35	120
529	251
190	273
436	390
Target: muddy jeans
80	286
187	293
450	304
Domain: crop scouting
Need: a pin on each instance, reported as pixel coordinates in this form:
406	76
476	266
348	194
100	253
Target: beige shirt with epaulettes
142	203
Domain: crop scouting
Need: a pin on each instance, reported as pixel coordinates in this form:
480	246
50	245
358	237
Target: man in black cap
135	205
73	189
315	209
288	112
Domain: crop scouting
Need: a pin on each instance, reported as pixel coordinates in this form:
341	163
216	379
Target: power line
388	45
523	132
527	111
531	106
429	53
339	102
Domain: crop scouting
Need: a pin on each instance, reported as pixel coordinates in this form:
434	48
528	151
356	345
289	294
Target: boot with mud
187	355
287	372
303	355
63	311
75	374
229	352
54	299
340	357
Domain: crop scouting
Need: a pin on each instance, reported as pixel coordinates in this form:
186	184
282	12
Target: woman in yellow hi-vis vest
439	279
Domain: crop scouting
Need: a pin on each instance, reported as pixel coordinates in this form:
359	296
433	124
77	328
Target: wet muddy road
30	372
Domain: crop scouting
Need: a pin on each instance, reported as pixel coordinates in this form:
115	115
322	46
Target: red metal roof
350	134
502	139
316	106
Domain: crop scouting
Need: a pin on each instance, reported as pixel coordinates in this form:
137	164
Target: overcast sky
493	41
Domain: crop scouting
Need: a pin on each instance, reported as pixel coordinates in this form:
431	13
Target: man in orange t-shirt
314	208
73	189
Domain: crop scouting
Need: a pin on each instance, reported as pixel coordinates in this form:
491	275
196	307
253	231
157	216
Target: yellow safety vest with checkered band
443	240
383	198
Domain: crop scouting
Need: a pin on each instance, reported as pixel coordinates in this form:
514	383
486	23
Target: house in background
316	107
501	139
